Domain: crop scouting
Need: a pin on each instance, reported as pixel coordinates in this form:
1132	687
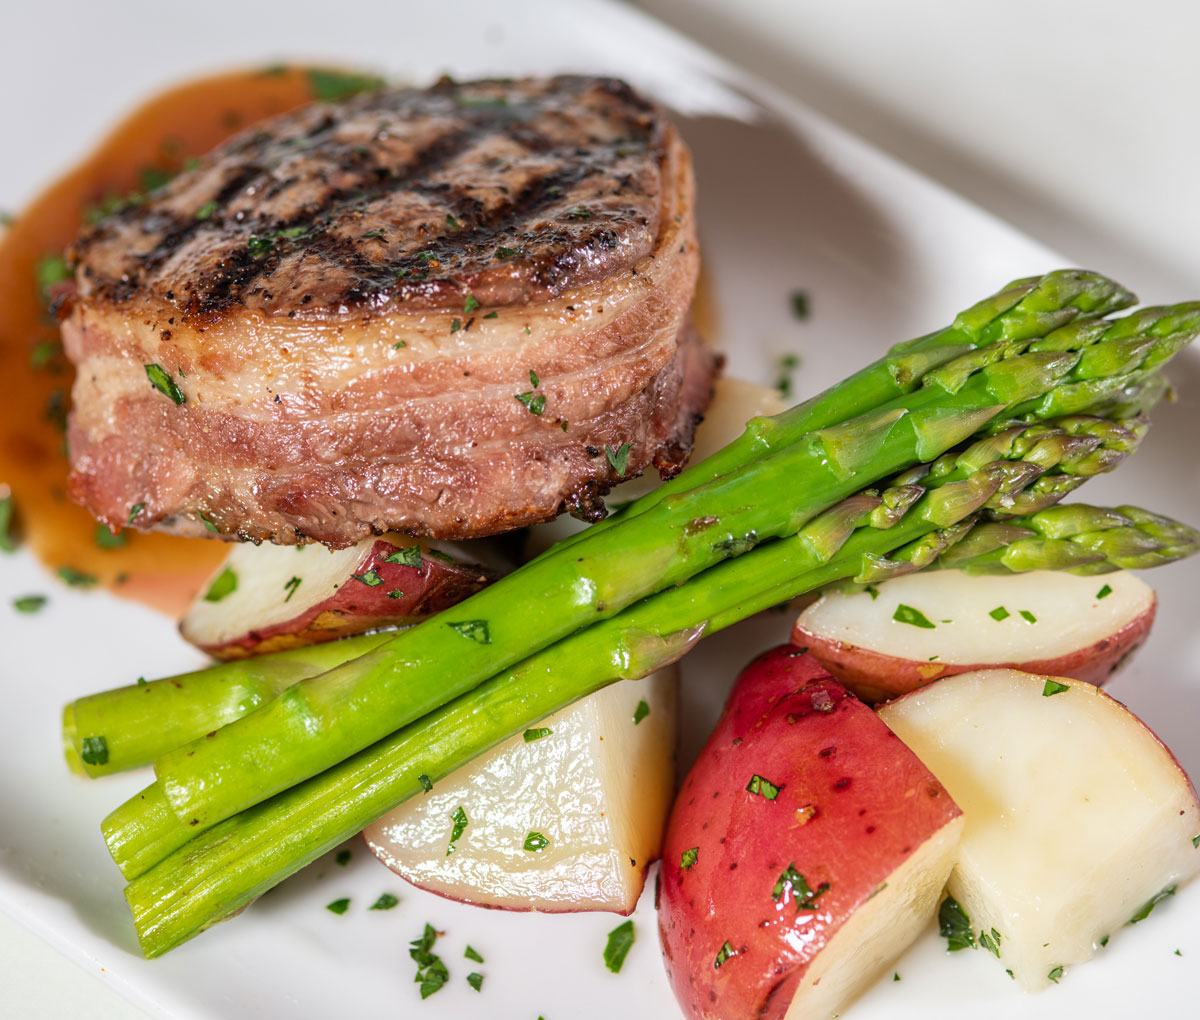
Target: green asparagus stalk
324	719
224	869
1025	309
131	726
988	473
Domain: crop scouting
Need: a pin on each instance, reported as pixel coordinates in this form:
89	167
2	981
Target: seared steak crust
513	191
448	312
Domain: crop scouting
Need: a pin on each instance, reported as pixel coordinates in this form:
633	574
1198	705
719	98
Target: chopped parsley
76	578
259	245
537	734
475	980
342	858
455	326
437	554
1104	592
399	345
872	591
640	712
913	617
991	942
51	270
476	630
29	603
395	593
371	233
291	587
799	301
1150	904
687	859
534	381
205	211
208	524
161	380
787	369
507	253
470	304
725	953
331	86
452	223
461	821
1027	616
339	906
105	539
999	613
616	948
134	510
535	403
385	902
94	750
535	841
792	883
425	781
1055	974
225	585
472	954
579	213
370	578
408	556
44	352
762	787
431	971
1196	841
492	315
1053	687
955	926
618	459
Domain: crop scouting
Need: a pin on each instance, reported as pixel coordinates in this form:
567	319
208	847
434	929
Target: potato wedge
267	598
909	631
806	849
1077	815
593	784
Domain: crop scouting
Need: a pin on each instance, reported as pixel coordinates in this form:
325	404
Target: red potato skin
877	677
356	607
853	803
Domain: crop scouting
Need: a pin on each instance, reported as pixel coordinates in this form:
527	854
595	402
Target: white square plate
788	202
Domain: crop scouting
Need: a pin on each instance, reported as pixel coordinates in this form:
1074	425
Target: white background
1074	121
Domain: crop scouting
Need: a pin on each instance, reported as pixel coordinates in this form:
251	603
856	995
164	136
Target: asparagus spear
1025	309
137	723
989	472
222	870
324	719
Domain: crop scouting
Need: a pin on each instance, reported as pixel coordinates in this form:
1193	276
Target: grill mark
440	151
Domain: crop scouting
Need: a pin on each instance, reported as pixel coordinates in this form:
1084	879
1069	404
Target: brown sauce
35	381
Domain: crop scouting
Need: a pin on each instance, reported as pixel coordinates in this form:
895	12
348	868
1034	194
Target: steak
449	311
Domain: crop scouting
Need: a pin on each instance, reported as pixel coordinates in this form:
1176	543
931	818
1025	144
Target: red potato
1077	815
594	781
807	848
1041	622
266	598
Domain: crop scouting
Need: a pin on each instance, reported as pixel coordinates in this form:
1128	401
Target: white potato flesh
1068	615
878	931
1076	814
597	788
